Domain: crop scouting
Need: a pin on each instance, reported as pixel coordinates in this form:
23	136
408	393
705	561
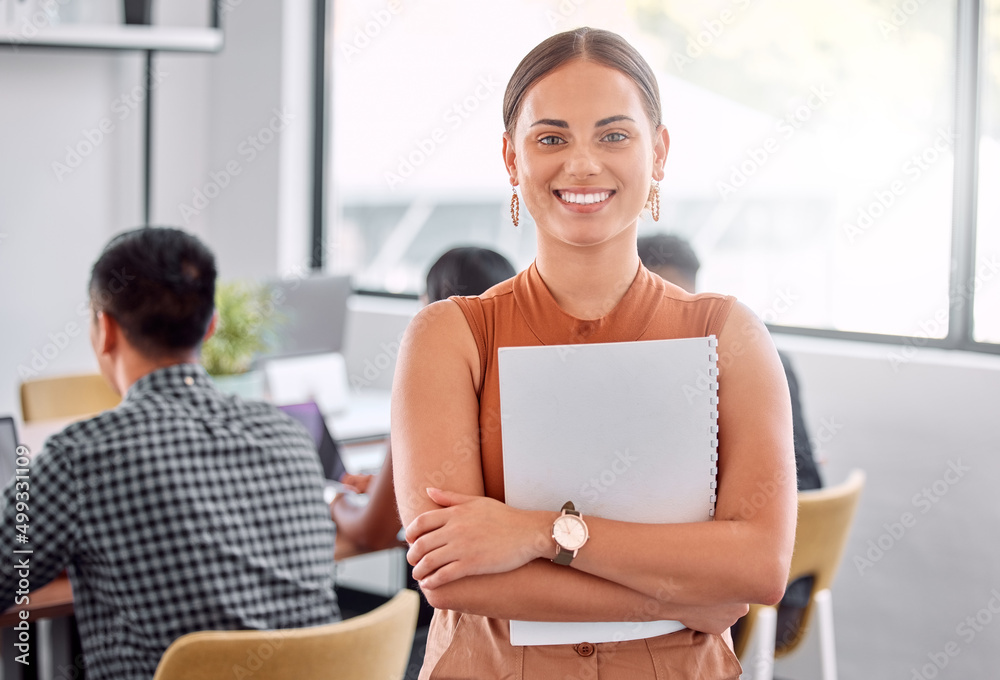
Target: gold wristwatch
570	534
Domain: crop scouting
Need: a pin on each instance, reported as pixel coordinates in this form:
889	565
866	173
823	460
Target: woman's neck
588	282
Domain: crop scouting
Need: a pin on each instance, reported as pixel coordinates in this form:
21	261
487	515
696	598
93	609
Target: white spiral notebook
627	431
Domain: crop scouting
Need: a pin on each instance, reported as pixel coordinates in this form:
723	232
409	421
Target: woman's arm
435	442
373	526
743	556
543	591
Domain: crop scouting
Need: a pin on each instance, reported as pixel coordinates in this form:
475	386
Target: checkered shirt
182	509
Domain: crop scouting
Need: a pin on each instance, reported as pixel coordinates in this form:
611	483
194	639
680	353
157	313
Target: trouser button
585	649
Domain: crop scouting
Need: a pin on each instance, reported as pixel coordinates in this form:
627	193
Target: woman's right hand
715	619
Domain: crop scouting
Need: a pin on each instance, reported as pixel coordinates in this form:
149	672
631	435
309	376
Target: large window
812	163
986	322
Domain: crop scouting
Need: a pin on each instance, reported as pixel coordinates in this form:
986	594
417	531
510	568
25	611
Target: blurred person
182	509
375	525
672	258
584	147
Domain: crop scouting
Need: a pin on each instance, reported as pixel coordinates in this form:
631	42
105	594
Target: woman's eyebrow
563	124
613	119
551	121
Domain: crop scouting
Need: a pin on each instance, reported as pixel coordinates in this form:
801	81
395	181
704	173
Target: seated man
182	509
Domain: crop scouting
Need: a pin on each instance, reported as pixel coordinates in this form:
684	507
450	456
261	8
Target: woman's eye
550	140
615	137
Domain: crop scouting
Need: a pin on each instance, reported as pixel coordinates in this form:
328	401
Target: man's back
180	510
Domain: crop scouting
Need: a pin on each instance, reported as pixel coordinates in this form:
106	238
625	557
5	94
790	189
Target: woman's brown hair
592	44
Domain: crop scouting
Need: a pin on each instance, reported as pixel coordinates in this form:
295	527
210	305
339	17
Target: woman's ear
510	158
661	145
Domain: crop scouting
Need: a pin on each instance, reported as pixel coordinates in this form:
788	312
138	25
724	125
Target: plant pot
251	385
139	12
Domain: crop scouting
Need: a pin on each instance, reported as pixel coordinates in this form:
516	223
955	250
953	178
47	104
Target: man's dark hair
468	270
158	284
668	250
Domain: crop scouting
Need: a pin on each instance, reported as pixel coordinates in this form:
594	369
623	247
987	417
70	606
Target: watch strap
564	557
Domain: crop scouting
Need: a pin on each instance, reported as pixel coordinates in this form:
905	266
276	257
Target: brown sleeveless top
522	312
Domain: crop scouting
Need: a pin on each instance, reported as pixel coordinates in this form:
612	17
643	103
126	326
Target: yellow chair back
375	645
66	396
824	523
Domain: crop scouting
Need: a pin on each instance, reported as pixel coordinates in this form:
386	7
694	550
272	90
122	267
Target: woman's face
584	153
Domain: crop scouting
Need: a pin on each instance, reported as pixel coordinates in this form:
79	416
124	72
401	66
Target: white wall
209	113
53	226
906	425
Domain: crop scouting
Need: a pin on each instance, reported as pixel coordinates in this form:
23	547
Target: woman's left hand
472	535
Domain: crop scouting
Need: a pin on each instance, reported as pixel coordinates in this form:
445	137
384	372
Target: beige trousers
465	646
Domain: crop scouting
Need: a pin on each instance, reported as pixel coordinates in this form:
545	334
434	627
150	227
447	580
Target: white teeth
584	199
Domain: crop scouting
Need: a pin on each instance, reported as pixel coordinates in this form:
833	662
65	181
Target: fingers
427	561
424	523
448	498
452	571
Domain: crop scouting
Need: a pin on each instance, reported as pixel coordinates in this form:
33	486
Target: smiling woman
584	144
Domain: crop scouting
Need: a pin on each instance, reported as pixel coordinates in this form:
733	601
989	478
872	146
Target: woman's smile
584	200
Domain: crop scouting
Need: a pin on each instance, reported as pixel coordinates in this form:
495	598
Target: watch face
569	532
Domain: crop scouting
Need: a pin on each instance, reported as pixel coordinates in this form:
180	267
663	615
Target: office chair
824	522
66	397
374	646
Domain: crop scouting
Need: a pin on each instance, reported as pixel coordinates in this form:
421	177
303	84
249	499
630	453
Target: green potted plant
246	326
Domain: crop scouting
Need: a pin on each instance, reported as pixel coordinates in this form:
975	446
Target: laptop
8	449
329	453
313	313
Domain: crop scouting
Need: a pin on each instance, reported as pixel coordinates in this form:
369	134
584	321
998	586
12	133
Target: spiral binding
713	428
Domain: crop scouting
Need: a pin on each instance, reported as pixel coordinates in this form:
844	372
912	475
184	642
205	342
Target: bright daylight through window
812	159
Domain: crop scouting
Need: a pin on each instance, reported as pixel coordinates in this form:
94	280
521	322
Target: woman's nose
582	162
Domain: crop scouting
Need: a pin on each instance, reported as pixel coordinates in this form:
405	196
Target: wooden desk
51	601
51	644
